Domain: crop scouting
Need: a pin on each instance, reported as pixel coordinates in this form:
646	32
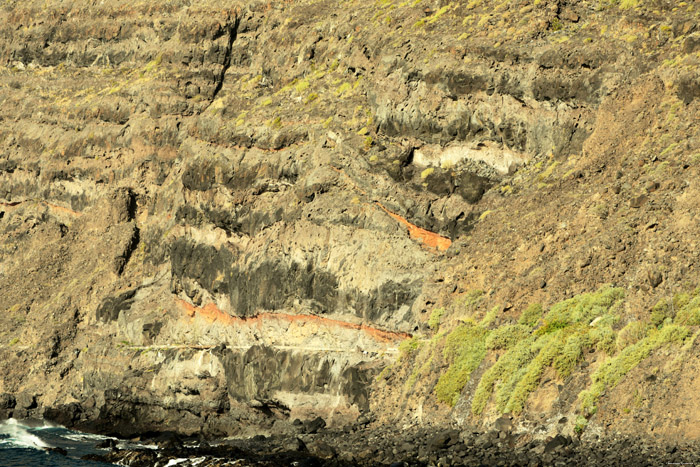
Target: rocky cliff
219	217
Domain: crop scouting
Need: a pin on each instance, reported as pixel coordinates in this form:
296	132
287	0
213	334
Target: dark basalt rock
110	307
271	284
66	415
7	401
256	374
57	450
315	425
688	89
199	177
242	219
415	447
585	88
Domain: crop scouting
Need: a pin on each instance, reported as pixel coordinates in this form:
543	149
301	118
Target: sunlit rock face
219	218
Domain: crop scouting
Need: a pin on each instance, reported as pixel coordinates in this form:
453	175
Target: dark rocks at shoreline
413	447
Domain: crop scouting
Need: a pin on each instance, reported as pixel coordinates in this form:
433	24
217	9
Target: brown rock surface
216	216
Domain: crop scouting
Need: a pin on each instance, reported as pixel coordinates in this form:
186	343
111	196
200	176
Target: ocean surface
24	444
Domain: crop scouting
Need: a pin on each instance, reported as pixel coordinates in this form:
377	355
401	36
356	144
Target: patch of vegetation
472	300
505	337
507	370
584	308
558	338
559	343
627	4
571	353
465	349
670	147
556	24
611	372
439	13
632	333
485	214
531	316
427	172
434	320
490	316
683	308
551	346
418	372
688	306
152	65
409	346
275	123
301	85
343	88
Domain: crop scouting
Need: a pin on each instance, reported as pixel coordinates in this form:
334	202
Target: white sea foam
44	425
20	436
175	462
85	437
135	445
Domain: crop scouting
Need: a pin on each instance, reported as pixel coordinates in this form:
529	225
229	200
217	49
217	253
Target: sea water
24	444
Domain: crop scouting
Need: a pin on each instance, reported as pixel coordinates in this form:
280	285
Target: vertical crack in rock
232	33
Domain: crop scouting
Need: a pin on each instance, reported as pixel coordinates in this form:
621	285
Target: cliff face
223	216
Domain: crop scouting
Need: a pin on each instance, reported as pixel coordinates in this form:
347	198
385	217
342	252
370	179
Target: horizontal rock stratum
219	217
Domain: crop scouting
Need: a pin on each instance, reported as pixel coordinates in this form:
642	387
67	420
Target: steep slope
220	217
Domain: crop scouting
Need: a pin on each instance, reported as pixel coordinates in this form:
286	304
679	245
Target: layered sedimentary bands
218	217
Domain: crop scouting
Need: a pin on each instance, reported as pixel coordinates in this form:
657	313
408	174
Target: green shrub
505	388
435	316
556	24
570	329
613	369
465	349
531	316
408	346
418	372
473	299
571	354
551	347
503	370
490	316
688	311
632	333
505	337
660	312
603	338
586	307
627	4
673	334
559	343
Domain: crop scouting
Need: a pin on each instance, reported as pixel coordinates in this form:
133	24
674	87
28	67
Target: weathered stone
110	307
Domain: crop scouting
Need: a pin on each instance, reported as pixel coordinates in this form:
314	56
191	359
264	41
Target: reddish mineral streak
212	313
428	238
